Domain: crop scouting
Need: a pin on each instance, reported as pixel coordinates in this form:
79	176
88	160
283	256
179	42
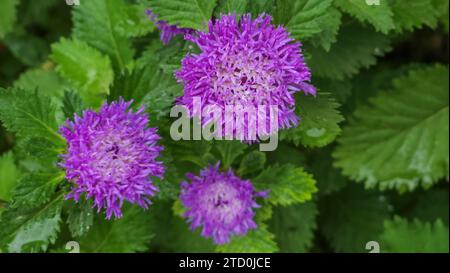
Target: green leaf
258	240
85	67
349	54
264	212
414	237
131	233
8	176
72	104
319	121
229	150
329	179
172	233
401	140
330	28
32	12
252	162
380	78
341	90
29	114
380	16
148	84
8	16
35	189
47	81
294	226
430	206
287	153
193	14
159	99
41	148
189	151
351	218
259	6
232	6
305	18
81	217
441	7
413	14
137	23
30	230
168	186
31	50
286	184
100	24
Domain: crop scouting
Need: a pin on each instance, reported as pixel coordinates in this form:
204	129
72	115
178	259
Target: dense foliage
369	160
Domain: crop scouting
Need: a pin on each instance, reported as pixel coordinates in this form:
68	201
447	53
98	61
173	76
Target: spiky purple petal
248	63
111	156
221	203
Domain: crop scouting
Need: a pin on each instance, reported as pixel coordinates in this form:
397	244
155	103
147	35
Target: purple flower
111	155
220	202
167	32
245	63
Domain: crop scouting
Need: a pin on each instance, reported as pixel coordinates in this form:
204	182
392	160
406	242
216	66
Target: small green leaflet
441	7
193	14
431	205
192	151
81	217
331	24
294	227
85	67
100	23
136	22
401	140
29	113
229	151
259	6
286	184
352	217
8	176
252	162
380	16
329	179
412	237
35	189
413	14
172	233
259	240
319	121
231	6
149	85
305	18
8	16
30	230
47	81
72	104
131	233
349	54
30	50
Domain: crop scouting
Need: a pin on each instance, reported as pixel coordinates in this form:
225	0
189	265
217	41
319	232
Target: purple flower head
167	32
110	157
248	63
220	202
